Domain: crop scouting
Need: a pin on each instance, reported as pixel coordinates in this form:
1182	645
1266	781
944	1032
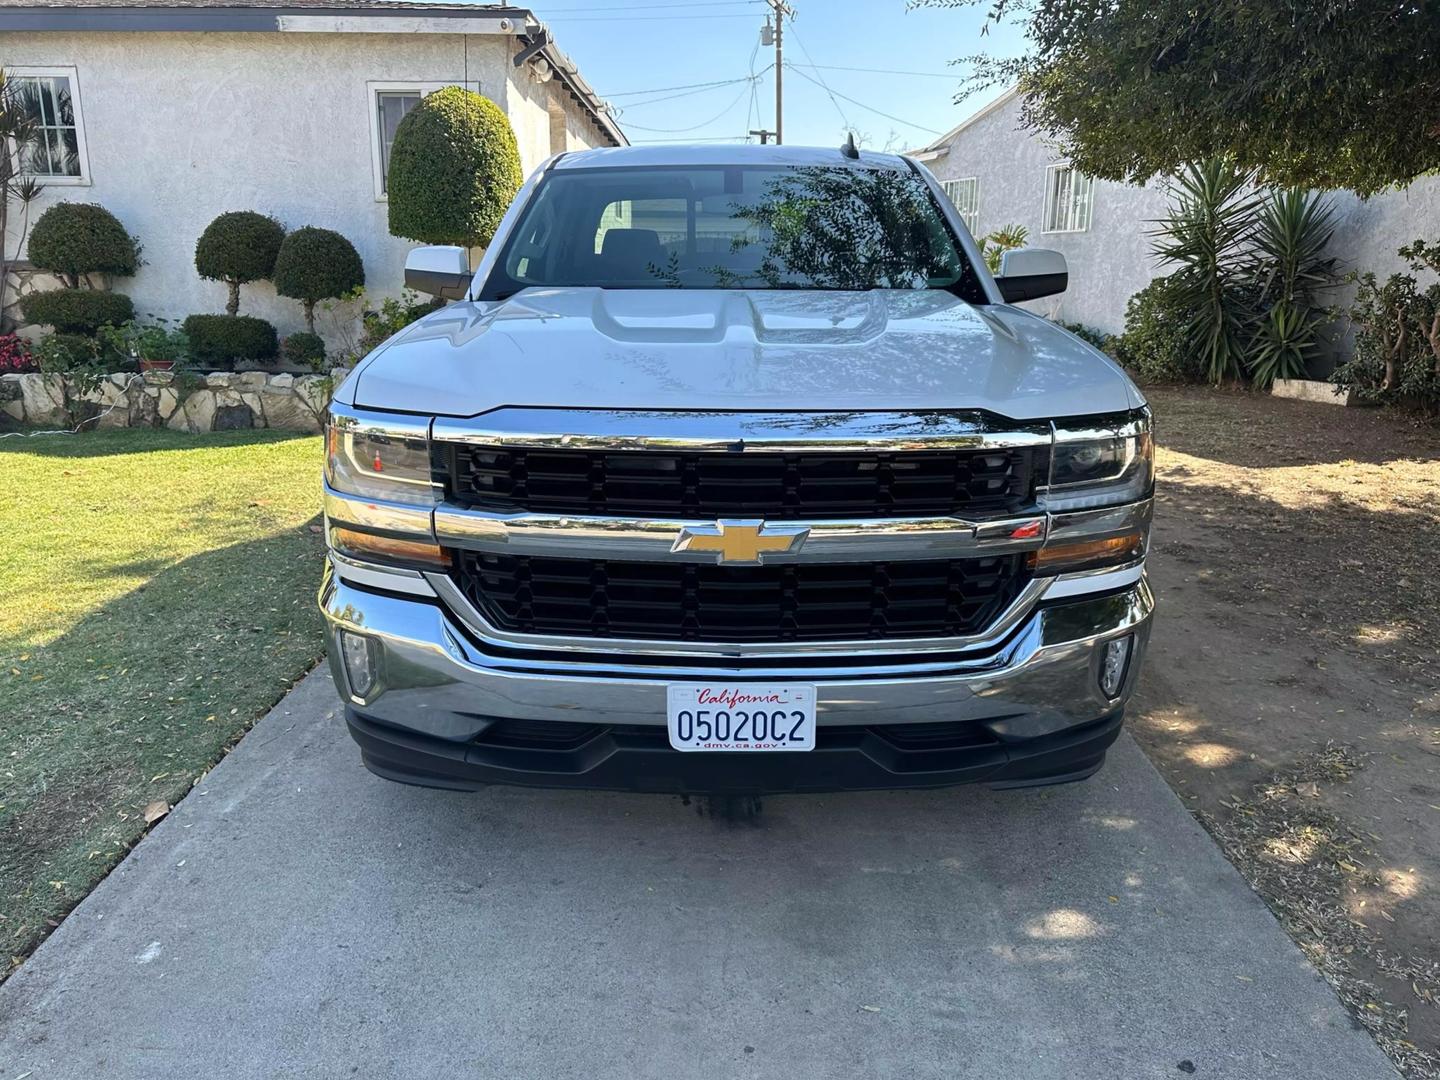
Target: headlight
385	460
1102	464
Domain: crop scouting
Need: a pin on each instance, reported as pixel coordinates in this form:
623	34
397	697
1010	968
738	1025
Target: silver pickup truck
733	470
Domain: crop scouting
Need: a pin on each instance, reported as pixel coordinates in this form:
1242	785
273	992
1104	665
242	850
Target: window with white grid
50	98
965	194
1068	195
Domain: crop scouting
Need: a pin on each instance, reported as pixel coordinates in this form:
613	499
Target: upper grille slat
763	484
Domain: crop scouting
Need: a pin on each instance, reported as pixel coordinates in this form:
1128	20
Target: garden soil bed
1292	693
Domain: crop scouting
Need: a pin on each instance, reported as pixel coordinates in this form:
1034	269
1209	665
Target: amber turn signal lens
387	549
1088	554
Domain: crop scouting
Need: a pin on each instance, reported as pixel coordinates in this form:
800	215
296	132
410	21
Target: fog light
1112	668
358	652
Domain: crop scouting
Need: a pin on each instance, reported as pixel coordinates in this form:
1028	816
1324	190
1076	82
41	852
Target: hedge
238	247
454	168
217	339
75	239
77	311
317	264
303	348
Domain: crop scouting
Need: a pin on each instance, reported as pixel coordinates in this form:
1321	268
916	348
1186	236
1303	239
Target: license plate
740	716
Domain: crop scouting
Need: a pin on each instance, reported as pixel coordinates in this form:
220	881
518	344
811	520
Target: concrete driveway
296	917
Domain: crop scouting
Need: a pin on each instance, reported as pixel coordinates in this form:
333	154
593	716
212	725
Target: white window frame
1076	215
971	214
82	151
373	90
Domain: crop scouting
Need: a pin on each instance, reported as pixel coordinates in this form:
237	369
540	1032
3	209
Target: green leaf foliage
1311	93
238	247
454	168
1156	344
75	239
219	339
1208	234
304	348
317	264
77	311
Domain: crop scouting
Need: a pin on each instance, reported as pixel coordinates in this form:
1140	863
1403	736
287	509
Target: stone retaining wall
221	401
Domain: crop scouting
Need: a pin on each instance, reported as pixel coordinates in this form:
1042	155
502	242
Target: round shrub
454	168
77	311
238	247
1157	344
218	339
317	264
304	348
74	239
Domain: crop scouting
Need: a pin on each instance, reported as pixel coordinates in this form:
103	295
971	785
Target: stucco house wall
180	127
1111	260
1108	262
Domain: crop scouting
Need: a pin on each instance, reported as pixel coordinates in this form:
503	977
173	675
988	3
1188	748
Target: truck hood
739	350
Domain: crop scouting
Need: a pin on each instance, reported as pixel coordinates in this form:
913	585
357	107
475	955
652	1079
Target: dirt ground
1292	692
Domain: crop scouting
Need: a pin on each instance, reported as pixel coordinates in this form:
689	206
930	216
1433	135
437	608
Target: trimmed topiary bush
217	339
454	168
73	240
304	348
236	248
317	264
77	311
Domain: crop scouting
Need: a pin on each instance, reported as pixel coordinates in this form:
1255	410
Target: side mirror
439	271
1030	273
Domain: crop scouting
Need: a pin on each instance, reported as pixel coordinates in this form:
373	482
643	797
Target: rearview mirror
438	271
1030	273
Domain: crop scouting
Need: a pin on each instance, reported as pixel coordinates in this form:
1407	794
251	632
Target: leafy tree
317	264
1309	93
454	167
236	248
847	229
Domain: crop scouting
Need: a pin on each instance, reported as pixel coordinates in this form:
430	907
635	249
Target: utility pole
764	135
781	9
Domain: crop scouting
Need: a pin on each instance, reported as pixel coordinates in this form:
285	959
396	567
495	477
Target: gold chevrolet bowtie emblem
741	541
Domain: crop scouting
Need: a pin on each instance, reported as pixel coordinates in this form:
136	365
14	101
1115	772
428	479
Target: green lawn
157	595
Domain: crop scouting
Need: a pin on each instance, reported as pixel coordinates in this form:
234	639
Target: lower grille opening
538	734
705	602
954	735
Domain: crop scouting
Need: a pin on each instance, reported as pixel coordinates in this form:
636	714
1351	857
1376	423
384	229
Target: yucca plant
1207	234
1292	230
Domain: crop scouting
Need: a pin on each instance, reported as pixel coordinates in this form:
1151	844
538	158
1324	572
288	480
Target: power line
711	138
692	93
654	7
867	108
646	18
683	86
881	71
694	127
801	42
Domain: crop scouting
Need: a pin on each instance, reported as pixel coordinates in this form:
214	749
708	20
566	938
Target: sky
633	52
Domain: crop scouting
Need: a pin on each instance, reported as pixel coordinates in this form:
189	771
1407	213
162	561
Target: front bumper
1025	709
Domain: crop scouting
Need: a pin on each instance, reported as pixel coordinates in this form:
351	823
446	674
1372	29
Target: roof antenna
850	150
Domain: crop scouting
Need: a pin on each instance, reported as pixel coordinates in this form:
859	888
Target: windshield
732	227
